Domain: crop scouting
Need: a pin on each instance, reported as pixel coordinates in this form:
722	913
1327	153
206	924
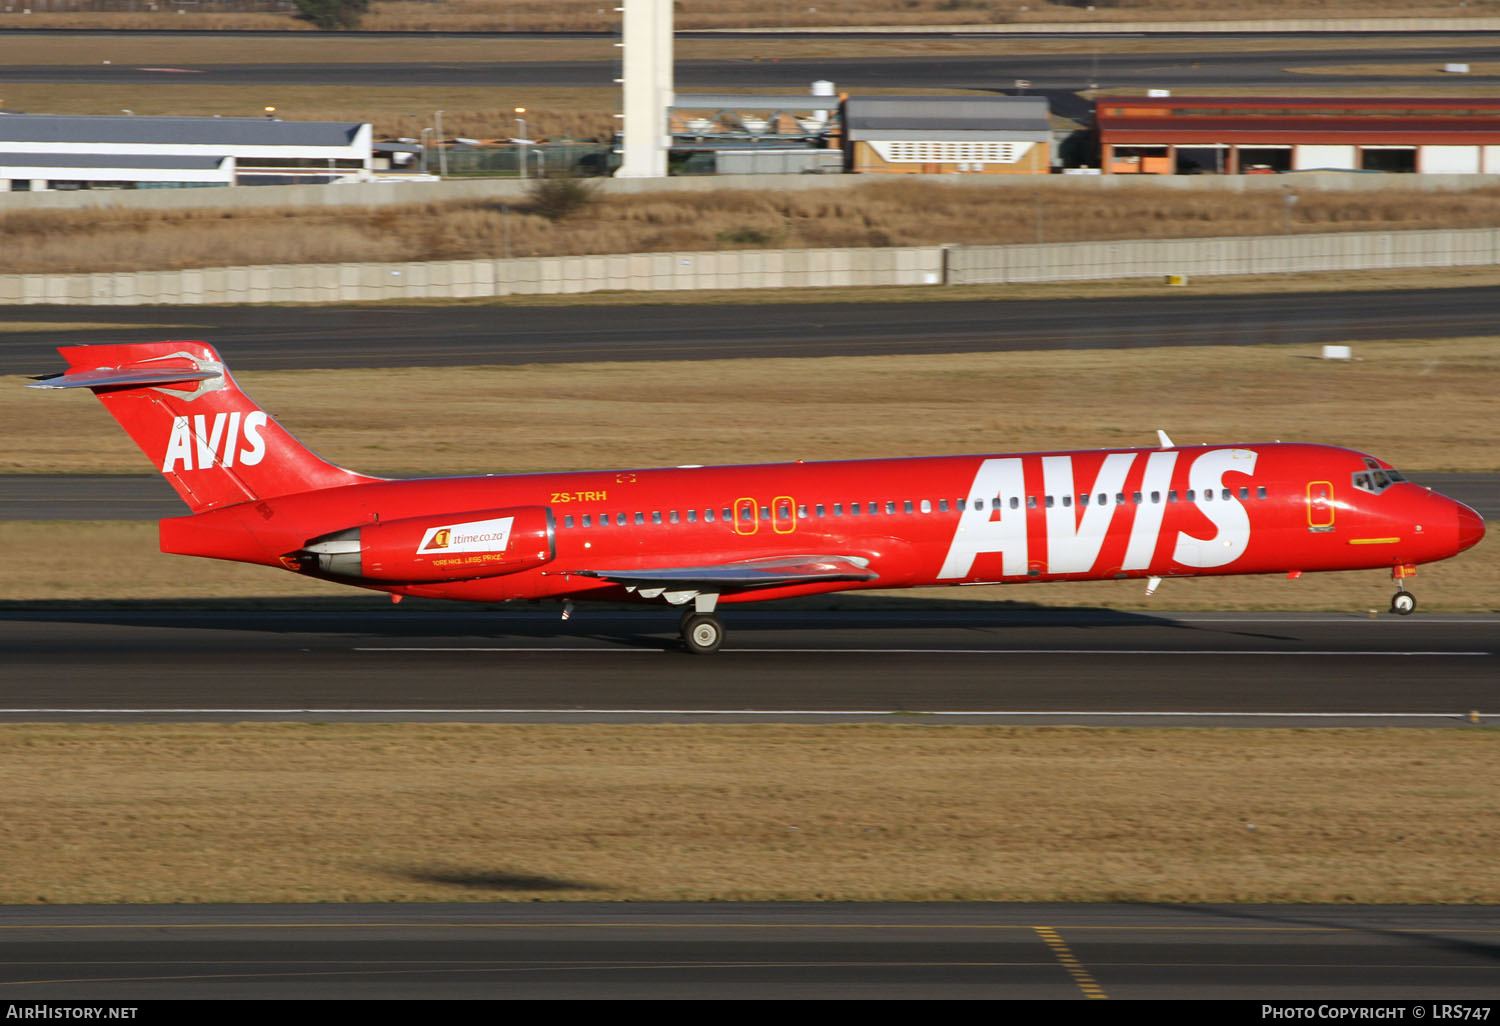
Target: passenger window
1120	498
640	518
623	519
1103	498
692	516
1031	502
765	513
995	502
854	509
1135	497
656	516
708	516
838	509
979	503
874	508
1015	503
1049	502
673	517
1244	491
725	515
1208	495
586	521
568	520
821	510
1261	492
890	507
1190	497
1067	501
1156	496
1083	500
1172	495
907	506
801	512
942	505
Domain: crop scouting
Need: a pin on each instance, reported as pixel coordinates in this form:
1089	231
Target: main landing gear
702	633
1403	602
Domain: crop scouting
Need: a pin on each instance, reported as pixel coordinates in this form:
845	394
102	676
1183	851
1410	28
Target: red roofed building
1266	135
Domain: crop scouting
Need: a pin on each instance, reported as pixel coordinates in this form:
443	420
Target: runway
1275	954
877	663
762	68
291	338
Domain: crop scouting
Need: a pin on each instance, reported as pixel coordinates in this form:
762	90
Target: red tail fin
177	400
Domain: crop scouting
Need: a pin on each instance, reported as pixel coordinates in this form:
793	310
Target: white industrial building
50	151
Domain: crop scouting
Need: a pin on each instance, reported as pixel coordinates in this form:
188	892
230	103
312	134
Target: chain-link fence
573	159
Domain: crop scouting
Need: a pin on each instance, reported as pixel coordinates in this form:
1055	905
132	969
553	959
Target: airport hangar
1272	135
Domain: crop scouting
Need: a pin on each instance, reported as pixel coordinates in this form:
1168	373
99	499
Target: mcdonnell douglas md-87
696	537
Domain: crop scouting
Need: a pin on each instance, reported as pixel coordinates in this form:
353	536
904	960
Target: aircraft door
784	514
1319	506
745	521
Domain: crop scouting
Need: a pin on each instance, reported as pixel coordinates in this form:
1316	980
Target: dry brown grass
429	421
471	112
270	813
592	15
875	213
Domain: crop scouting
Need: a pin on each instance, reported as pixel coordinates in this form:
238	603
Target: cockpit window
1375	478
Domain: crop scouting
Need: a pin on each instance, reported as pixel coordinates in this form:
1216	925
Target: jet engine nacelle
444	547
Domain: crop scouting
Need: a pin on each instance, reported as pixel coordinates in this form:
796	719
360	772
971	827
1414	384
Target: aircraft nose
1470	527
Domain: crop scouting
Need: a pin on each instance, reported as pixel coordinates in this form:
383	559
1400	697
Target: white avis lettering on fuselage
198	444
1076	535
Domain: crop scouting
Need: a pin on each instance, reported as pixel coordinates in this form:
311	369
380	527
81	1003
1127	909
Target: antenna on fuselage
1166	443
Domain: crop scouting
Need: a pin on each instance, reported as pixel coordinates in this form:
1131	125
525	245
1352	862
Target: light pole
442	150
522	141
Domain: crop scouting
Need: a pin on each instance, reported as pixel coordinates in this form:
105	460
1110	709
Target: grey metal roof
228	132
949	135
946	114
754	101
147	162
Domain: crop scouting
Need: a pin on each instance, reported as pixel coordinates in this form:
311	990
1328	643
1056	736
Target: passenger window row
783	512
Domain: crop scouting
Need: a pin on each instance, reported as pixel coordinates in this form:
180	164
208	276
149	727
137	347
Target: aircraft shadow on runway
1331	917
363	617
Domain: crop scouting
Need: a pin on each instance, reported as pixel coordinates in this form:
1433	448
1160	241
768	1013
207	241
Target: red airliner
698	536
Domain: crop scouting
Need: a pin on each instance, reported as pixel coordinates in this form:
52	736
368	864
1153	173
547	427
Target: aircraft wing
679	584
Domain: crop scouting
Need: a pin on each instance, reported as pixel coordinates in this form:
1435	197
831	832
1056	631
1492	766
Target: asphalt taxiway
730	950
341	336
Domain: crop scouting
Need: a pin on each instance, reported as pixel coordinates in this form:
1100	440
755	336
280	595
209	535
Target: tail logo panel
204	387
198	443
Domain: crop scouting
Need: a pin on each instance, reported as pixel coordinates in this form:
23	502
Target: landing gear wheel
702	633
1403	602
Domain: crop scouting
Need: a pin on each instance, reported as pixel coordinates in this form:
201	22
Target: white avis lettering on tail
198	443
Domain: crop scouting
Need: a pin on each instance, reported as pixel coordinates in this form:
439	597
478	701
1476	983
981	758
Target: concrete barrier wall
757	269
1289	254
461	279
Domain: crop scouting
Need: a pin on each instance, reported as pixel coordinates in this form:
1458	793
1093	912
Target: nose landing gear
1403	602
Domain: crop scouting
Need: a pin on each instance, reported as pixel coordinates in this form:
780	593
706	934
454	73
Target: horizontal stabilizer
124	377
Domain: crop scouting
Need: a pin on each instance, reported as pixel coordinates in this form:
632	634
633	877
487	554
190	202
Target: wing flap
679	583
